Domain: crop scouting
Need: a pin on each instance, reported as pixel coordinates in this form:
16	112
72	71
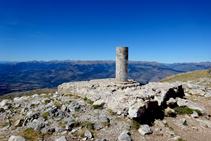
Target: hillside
189	76
23	76
39	74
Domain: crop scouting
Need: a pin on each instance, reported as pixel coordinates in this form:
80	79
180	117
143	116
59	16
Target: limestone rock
69	125
124	136
192	105
194	115
205	123
63	138
103	118
17	138
171	102
144	129
169	112
99	102
4	102
74	106
137	109
180	122
159	123
88	134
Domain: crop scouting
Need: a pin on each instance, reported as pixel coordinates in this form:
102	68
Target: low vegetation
186	110
58	104
111	112
193	75
31	135
45	115
5	124
183	110
135	124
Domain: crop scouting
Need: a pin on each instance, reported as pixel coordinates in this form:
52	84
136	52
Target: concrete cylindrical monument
122	64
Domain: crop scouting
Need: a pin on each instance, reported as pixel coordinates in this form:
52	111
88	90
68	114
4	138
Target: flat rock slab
121	96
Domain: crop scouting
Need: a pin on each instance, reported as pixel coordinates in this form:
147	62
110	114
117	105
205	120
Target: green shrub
97	106
183	110
90	102
47	101
85	98
111	112
58	105
45	115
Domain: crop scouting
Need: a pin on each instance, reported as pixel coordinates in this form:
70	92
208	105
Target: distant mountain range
22	76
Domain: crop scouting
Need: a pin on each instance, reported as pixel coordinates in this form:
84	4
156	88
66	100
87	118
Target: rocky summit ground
103	110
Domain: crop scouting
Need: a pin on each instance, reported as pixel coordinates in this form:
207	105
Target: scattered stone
63	138
169	112
180	122
194	115
159	123
169	133
88	134
17	138
124	136
74	106
177	138
137	109
144	129
171	103
158	129
103	118
99	102
69	125
187	116
204	123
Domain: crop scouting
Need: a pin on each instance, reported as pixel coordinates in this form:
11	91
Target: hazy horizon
100	60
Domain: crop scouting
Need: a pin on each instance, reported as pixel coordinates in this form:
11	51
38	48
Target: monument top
122	64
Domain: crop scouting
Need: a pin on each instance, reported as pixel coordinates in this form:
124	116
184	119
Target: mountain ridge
23	76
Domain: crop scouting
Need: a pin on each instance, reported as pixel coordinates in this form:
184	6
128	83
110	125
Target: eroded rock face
129	98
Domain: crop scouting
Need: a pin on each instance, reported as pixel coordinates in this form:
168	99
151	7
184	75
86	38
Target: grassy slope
193	75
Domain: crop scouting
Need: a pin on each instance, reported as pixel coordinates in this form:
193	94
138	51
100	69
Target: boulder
88	134
194	115
103	118
144	129
69	125
74	106
63	138
137	110
124	136
99	102
17	138
171	102
5	102
169	112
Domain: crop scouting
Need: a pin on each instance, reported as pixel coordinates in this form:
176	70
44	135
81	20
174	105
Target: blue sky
165	31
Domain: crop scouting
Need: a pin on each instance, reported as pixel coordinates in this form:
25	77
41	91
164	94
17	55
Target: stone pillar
122	64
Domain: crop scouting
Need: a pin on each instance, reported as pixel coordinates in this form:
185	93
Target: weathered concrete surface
122	64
